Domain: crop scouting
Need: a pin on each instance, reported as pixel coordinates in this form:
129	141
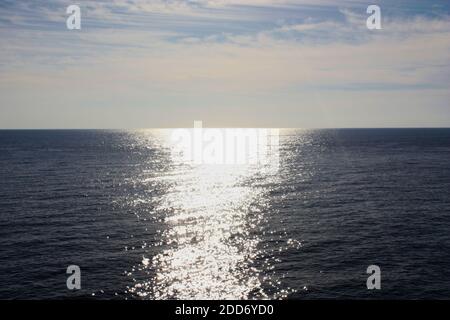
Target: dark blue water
141	225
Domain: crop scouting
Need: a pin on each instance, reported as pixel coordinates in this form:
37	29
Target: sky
228	63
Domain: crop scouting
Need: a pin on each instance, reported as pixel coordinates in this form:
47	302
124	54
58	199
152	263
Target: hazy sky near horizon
229	63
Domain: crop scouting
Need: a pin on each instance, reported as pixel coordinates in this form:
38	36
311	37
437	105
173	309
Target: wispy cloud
150	51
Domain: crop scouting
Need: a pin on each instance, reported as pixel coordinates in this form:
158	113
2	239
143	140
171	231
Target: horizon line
172	128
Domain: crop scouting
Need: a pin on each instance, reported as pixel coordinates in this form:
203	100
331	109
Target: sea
142	224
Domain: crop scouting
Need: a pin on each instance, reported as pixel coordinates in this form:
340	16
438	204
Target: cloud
394	56
139	53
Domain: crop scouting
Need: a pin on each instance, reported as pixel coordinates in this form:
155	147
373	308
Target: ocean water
143	225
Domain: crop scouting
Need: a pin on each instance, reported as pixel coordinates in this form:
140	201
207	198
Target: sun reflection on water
212	216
